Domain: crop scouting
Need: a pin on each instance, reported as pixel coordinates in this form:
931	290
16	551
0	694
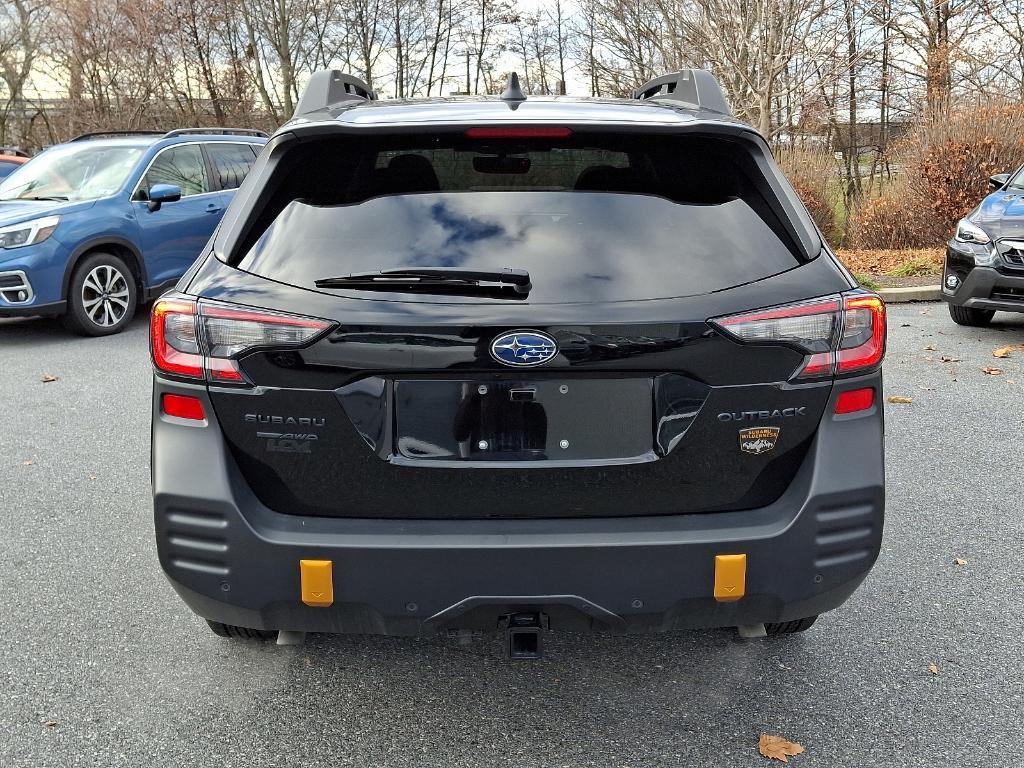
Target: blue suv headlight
978	243
969	232
28	232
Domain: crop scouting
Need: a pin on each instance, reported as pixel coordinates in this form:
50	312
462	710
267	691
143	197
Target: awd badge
759	439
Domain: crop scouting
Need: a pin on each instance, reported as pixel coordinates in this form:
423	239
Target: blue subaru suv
94	227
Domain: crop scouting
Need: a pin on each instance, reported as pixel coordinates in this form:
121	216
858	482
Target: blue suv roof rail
216	131
693	87
103	134
329	87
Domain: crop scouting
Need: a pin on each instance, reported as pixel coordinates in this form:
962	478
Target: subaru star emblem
523	348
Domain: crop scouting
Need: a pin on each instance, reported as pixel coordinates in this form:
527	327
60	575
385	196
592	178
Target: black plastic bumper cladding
234	560
983	288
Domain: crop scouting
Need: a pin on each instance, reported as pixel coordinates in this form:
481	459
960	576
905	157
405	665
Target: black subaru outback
514	364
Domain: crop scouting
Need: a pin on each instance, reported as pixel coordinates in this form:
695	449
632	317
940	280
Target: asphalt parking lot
102	665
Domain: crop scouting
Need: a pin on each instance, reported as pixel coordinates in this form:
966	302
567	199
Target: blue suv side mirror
998	181
163	193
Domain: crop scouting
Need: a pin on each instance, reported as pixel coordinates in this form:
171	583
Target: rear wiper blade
428	278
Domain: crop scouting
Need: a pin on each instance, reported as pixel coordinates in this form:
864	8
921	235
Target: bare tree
20	26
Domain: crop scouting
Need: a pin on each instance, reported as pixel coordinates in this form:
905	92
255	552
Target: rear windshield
593	218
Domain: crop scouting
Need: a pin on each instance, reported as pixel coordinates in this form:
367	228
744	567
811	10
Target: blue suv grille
1012	252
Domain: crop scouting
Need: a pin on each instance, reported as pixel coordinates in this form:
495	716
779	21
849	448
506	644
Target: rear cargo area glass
592	217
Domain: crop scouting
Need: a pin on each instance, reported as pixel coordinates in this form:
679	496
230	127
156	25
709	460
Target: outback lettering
778	413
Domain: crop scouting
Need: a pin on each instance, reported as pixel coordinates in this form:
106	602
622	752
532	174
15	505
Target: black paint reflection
578	247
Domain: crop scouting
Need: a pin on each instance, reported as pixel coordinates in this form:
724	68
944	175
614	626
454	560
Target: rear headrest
607	178
409	173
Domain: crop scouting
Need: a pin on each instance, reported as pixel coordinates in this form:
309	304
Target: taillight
174	340
230	332
213	336
838	334
863	342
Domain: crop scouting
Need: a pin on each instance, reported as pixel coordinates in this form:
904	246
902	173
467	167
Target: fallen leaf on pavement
924	311
900	400
992	371
933	669
50	723
1005	351
926	389
777	748
27	463
950	359
930	348
960	561
47	378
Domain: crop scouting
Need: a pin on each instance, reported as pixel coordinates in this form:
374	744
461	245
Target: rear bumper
235	561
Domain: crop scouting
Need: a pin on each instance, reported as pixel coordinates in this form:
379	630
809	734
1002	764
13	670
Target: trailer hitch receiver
524	640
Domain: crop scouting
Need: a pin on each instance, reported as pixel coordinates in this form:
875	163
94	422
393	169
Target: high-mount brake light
839	334
519	132
205	340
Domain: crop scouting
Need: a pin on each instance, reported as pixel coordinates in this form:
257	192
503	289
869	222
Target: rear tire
102	296
790	627
240	633
975	318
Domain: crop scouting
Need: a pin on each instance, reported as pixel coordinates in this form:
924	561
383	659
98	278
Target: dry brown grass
892	261
810	171
954	158
947	163
897	221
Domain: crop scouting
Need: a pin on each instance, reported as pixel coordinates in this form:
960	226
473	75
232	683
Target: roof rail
216	131
329	87
99	134
693	87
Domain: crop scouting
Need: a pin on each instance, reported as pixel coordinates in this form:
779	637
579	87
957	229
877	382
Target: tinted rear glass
231	162
593	218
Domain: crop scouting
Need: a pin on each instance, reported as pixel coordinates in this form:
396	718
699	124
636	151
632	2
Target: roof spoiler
329	87
693	87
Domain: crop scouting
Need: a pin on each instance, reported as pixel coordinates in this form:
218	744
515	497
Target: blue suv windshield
72	173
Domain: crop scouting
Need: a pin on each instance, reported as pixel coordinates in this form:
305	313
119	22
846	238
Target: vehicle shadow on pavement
634	700
43	331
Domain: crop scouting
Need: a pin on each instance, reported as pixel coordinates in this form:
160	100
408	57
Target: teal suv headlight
28	232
